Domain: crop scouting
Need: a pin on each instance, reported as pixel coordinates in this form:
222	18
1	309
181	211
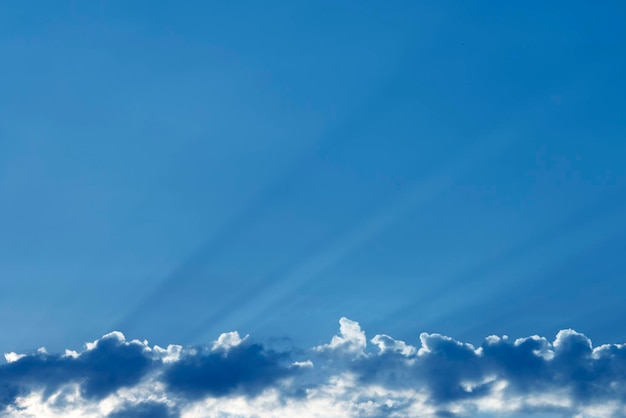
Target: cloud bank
350	376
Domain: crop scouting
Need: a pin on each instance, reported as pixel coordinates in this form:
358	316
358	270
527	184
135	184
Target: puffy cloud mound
348	377
243	368
104	367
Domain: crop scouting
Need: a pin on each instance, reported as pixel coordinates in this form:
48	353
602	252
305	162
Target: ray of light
486	271
187	270
282	289
530	269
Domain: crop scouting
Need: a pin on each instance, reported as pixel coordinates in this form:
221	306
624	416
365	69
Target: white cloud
386	343
11	357
351	338
228	340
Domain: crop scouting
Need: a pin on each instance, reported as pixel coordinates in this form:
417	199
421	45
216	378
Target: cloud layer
348	377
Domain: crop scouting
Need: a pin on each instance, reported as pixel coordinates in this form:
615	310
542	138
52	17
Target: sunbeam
187	271
283	289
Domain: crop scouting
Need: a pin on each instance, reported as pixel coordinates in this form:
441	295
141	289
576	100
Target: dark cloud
386	377
531	367
111	363
110	366
145	410
245	368
8	391
443	367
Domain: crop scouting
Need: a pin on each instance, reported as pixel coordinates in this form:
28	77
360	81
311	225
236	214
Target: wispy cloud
348	377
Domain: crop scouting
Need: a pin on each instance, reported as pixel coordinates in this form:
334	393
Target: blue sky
174	171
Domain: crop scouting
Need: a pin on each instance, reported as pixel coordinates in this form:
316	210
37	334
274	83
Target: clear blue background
179	169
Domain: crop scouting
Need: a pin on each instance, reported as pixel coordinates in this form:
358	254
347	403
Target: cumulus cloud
351	338
240	368
348	377
105	366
